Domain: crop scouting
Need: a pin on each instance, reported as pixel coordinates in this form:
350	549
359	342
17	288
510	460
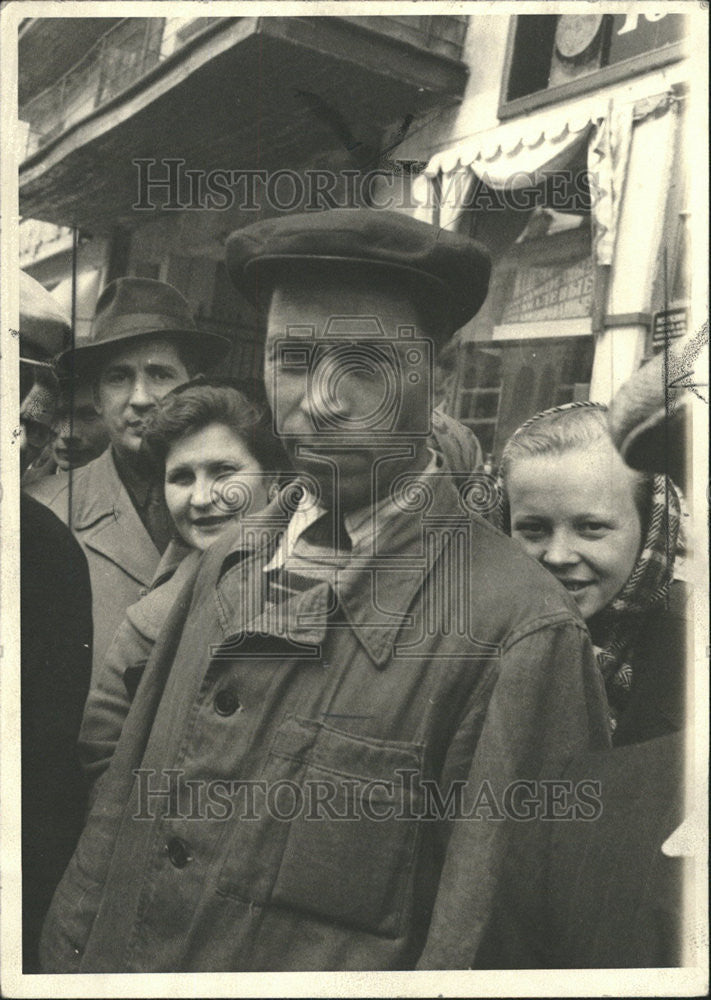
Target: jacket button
178	852
226	702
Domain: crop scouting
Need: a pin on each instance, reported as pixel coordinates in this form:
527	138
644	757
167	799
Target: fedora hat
131	309
447	271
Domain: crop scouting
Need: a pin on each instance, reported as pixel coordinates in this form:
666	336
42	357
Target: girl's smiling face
211	477
575	513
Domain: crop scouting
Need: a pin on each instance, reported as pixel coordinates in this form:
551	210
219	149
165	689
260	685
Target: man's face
38	400
348	407
131	382
81	434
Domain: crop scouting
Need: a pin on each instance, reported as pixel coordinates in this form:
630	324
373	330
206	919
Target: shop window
552	57
544	281
531	345
500	386
537	374
532	51
477	403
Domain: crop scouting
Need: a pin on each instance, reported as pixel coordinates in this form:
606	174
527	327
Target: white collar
360	524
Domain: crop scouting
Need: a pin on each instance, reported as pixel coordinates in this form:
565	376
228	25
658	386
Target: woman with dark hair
220	461
218	457
609	534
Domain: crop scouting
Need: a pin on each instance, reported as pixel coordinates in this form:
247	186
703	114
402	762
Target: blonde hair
575	427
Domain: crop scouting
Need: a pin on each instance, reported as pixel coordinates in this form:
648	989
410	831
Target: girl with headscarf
609	534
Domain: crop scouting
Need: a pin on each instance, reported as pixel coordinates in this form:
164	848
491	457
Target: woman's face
211	478
575	513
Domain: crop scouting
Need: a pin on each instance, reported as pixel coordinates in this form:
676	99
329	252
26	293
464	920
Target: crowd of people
242	596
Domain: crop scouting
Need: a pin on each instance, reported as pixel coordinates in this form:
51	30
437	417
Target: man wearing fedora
55	635
357	692
143	343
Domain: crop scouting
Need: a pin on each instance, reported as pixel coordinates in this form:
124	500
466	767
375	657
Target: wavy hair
198	404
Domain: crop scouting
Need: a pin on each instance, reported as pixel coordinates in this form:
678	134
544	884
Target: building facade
558	140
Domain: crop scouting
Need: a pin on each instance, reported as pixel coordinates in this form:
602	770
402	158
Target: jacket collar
374	593
170	560
95	491
109	524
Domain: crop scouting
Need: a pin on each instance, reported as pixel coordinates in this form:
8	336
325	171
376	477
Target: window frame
464	394
602	77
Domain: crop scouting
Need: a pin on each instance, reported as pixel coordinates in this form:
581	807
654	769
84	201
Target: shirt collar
375	591
364	526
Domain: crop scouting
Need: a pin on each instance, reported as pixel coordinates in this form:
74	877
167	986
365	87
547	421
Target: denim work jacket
340	797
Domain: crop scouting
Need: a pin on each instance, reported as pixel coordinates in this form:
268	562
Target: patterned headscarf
615	629
455	442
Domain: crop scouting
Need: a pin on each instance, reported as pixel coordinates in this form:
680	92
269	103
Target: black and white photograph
354	506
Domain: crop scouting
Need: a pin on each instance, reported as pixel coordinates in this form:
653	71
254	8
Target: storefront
583	206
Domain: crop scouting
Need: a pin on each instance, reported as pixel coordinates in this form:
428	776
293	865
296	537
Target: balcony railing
441	35
120	57
134	46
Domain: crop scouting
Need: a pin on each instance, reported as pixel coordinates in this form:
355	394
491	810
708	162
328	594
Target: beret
43	326
453	269
650	415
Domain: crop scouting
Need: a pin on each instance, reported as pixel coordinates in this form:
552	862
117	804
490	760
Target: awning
539	143
522	153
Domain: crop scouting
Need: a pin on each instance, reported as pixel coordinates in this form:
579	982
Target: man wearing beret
358	691
143	343
55	634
